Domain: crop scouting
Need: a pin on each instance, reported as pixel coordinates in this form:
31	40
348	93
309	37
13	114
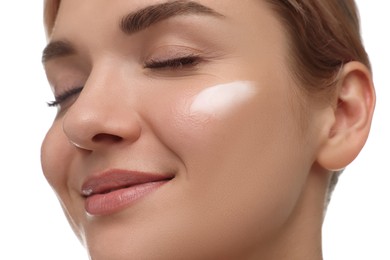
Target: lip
114	190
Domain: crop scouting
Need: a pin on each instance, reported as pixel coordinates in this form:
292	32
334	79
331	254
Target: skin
249	184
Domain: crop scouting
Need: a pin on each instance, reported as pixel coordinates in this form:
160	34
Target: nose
100	118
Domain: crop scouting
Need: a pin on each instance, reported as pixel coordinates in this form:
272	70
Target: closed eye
63	97
174	64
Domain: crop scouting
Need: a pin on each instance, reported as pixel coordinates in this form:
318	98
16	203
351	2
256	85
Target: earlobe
351	118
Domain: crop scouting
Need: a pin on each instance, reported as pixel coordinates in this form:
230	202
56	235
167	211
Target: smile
115	190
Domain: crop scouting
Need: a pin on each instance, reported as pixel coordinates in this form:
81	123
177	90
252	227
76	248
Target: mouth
116	190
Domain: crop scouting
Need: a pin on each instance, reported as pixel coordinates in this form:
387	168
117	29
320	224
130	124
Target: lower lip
117	200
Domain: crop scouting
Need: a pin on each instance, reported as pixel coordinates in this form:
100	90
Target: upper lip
118	179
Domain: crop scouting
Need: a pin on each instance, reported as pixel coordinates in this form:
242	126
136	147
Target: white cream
220	100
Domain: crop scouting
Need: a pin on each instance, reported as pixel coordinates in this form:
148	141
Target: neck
300	237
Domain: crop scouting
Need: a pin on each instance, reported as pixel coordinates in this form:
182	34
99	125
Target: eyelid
60	98
171	51
174	63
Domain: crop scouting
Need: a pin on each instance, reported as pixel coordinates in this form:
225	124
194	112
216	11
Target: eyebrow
57	49
146	17
137	21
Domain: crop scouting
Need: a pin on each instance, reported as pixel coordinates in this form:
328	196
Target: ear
350	122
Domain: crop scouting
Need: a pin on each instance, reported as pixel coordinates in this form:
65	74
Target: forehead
98	12
100	20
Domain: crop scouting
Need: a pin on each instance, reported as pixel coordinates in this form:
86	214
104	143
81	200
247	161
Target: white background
32	225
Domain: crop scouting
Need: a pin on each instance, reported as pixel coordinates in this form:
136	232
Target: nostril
107	138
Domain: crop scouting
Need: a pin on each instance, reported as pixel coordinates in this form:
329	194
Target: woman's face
181	134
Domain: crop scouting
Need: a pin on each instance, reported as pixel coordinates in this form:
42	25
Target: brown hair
49	15
324	35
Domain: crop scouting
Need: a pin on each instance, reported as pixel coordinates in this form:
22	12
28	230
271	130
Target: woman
203	129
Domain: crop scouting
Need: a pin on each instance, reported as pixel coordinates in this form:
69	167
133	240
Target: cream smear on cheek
220	100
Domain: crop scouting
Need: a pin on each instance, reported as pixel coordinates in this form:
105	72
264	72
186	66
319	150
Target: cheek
243	157
58	161
199	120
240	136
217	102
54	158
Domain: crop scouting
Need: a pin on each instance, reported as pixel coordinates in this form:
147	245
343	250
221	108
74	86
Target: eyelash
64	96
174	64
